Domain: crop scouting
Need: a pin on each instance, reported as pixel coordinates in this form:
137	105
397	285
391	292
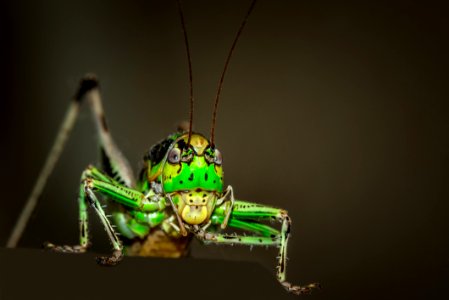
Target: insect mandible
179	193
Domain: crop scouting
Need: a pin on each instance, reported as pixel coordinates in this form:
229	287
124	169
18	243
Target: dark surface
33	274
334	110
39	274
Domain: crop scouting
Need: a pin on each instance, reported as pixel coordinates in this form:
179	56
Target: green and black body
178	195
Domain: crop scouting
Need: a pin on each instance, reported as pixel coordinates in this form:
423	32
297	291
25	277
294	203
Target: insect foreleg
227	202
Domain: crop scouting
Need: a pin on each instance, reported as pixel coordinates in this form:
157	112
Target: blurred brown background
336	111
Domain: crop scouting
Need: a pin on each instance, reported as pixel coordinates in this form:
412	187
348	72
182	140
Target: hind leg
113	161
114	164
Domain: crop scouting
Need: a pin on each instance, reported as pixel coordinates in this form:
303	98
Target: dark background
336	111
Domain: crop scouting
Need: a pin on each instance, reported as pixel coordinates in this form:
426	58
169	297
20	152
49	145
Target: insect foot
65	248
112	260
300	290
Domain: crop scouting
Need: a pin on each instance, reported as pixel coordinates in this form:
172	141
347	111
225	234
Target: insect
178	195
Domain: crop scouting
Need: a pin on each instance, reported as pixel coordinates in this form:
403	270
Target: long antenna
186	42
220	83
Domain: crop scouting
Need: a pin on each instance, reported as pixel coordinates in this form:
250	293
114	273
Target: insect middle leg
246	216
85	197
94	181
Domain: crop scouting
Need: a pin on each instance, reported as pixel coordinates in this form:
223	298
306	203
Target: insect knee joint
87	83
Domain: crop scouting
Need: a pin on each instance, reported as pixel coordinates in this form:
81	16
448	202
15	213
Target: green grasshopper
179	193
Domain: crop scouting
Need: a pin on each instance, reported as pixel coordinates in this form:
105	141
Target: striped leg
117	254
245	216
93	180
90	172
86	193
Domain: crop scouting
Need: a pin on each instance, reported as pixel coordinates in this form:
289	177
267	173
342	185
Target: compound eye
174	156
218	159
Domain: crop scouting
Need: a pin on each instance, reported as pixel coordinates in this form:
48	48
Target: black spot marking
287	232
273	236
104	125
215	181
182	144
191	177
83	229
190	195
91	201
228	237
88	83
107	167
204	195
206	177
181	182
282	263
260	240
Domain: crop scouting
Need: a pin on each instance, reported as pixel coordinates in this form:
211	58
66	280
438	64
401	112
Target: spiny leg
245	216
261	229
93	180
117	254
90	172
83	229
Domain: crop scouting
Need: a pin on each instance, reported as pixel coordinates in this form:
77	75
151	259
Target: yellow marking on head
195	207
198	142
